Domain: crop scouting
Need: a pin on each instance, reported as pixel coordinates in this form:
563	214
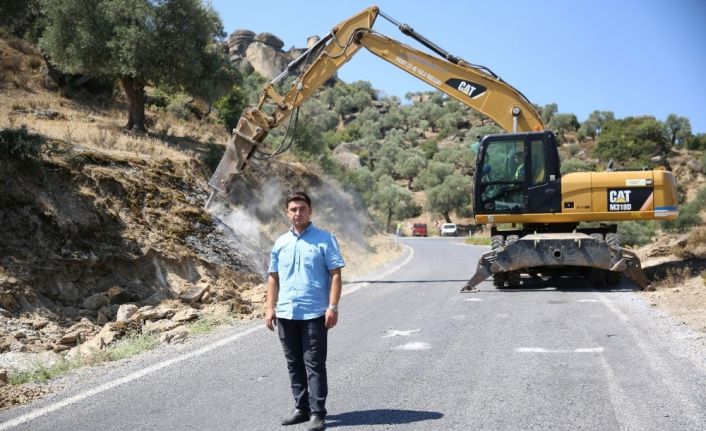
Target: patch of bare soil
679	283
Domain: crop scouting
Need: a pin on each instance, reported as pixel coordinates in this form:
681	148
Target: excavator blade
558	250
483	271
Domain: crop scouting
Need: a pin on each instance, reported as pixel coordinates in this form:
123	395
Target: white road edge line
126	379
156	367
395	268
543	350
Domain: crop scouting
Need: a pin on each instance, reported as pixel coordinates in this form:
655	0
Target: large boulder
266	60
239	41
270	40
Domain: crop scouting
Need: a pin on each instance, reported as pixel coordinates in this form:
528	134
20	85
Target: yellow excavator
534	211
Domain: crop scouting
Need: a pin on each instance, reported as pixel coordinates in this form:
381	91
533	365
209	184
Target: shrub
20	144
159	98
177	106
576	165
230	106
636	233
688	217
214	154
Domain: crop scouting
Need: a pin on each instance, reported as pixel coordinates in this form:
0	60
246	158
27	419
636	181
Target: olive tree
392	200
134	41
452	195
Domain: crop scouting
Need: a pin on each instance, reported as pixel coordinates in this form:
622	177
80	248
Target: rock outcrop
262	52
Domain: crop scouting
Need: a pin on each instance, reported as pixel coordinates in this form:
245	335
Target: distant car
419	229
449	229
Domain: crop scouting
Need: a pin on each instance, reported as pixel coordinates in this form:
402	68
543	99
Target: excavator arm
471	85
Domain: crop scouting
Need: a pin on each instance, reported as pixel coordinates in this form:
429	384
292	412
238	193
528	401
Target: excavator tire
613	278
513	277
497	242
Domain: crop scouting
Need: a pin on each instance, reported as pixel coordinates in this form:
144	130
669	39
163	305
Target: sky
632	57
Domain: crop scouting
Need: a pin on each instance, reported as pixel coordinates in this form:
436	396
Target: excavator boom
471	85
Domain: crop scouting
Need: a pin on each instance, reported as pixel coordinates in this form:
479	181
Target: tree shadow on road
380	417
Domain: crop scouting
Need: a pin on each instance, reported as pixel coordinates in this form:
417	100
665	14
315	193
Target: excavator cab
518	174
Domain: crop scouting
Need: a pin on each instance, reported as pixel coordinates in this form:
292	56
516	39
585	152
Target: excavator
542	222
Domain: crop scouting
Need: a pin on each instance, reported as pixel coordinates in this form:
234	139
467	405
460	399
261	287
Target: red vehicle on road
419	229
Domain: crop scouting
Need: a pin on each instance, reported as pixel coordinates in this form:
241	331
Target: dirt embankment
85	224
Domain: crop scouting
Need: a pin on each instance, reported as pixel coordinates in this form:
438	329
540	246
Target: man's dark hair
297	196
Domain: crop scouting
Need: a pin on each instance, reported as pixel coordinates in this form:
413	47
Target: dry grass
674	278
381	250
102	129
695	244
87	123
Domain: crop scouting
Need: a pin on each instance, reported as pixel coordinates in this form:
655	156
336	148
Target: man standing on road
303	290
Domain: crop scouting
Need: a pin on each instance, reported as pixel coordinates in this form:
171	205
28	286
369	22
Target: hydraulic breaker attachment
558	250
252	129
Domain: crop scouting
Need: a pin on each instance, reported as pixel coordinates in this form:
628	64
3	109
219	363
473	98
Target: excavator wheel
513	277
496	242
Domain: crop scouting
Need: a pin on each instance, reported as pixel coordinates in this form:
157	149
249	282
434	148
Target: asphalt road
412	353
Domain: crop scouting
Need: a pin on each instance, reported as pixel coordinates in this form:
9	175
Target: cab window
539	163
503	176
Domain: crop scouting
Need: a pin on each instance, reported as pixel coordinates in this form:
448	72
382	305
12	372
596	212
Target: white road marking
587	300
353	286
543	350
416	345
356	287
126	379
473	299
398	333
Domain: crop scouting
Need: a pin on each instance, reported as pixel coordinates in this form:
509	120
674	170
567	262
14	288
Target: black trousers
305	344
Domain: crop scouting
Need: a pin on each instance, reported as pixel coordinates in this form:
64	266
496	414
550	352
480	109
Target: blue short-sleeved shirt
303	263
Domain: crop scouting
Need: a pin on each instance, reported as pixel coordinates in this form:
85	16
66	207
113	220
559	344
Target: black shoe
316	423
296	417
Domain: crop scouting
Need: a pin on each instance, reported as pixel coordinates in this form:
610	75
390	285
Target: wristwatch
333	308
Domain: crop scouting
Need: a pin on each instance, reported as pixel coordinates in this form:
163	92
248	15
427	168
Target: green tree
563	123
433	175
678	129
696	142
595	122
392	200
453	195
21	17
548	111
133	41
230	106
409	166
632	141
218	77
